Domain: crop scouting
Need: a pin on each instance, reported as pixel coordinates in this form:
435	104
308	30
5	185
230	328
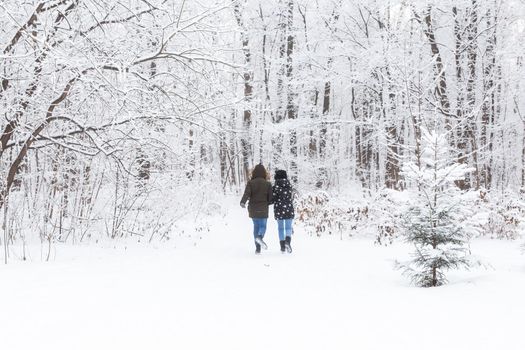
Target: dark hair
280	174
259	171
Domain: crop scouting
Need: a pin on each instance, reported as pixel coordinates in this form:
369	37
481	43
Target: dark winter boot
257	248
259	240
283	248
287	244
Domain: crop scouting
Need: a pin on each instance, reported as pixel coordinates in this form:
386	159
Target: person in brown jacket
258	194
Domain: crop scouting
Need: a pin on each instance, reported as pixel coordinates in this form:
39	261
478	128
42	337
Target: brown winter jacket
259	194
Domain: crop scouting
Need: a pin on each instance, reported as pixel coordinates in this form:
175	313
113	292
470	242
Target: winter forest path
329	294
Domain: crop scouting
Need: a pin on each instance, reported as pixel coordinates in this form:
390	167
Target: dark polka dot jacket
283	200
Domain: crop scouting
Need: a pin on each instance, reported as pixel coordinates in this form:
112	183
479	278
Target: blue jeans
285	228
259	227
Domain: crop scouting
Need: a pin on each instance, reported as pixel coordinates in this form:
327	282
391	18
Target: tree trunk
246	143
489	105
291	105
439	69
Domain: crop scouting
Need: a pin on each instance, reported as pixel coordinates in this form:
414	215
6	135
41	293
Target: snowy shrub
386	214
379	216
436	222
501	216
146	214
323	215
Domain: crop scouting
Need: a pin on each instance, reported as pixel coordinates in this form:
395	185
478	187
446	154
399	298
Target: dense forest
120	117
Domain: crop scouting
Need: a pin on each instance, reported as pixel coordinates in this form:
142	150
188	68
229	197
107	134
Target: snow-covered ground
329	294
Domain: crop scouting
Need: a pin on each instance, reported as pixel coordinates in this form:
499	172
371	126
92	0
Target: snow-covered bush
322	214
436	222
379	216
386	214
500	216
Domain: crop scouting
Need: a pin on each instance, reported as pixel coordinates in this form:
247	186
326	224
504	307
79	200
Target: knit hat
280	174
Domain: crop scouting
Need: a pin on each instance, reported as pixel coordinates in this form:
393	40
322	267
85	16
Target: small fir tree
435	222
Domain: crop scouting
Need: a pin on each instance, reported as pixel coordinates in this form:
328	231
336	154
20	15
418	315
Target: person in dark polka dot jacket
283	209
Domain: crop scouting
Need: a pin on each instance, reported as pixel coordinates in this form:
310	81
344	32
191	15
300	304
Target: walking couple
260	194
